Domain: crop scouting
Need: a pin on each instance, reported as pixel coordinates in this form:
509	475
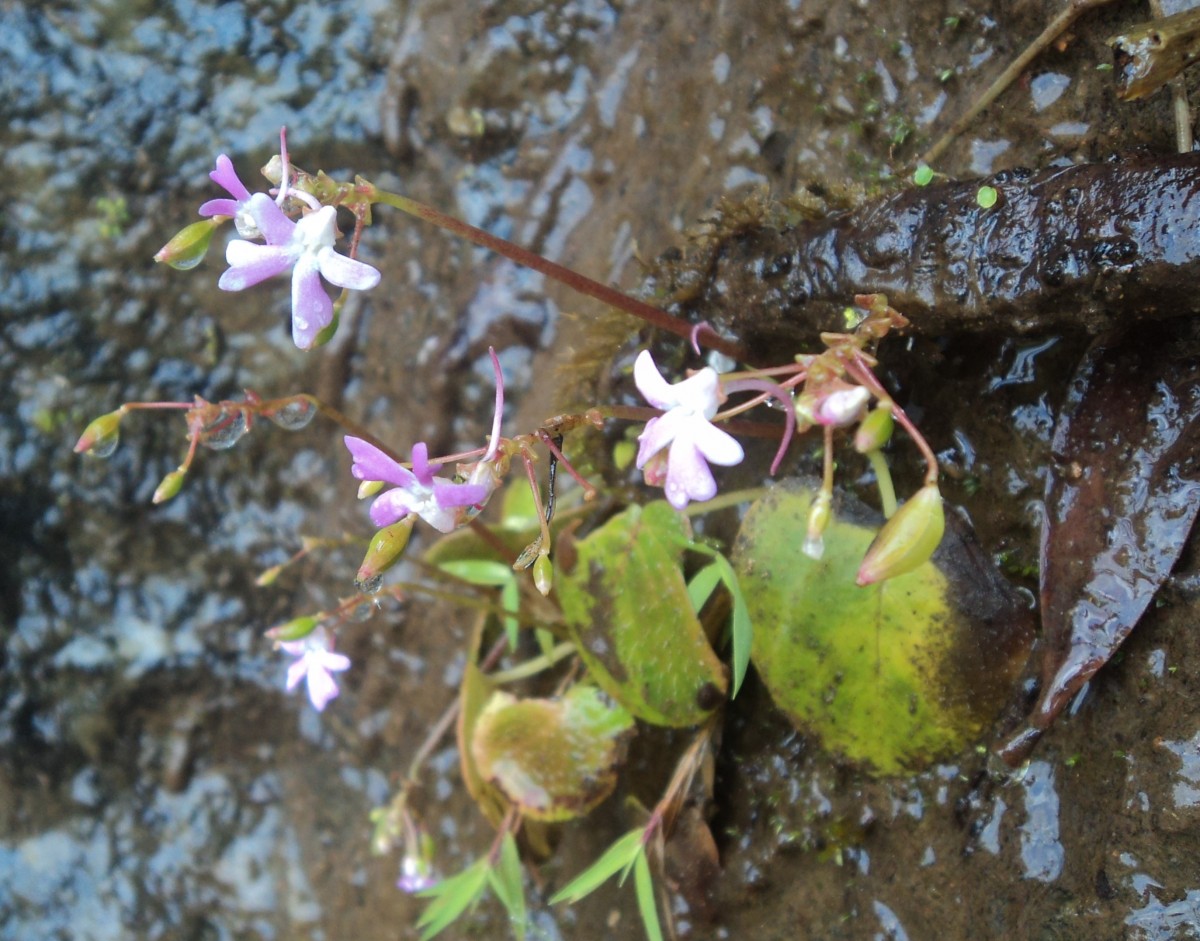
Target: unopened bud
170	485
368	488
842	406
907	540
101	436
294	629
268	577
543	573
818	519
188	248
875	430
385	548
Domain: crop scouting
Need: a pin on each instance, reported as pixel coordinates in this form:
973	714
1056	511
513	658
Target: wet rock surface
155	781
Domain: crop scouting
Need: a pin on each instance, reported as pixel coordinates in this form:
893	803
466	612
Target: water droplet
105	446
225	430
293	414
369	586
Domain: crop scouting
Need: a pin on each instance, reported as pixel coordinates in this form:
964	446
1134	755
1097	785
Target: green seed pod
543	574
100	437
188	248
875	430
170	486
906	540
294	629
385	548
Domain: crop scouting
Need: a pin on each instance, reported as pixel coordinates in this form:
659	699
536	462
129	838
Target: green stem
883	479
654	316
534	666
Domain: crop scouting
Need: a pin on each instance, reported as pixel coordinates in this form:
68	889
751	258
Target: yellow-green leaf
894	675
626	605
554	758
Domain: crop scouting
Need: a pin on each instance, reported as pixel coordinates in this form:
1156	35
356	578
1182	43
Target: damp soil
156	781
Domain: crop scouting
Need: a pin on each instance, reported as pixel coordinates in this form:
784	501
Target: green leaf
702	585
554	758
895	675
645	897
451	897
742	633
618	856
506	882
628	612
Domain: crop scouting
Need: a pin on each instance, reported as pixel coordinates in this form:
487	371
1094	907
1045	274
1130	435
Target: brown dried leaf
1120	507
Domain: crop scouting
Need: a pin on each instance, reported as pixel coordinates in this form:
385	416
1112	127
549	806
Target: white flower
316	664
686	429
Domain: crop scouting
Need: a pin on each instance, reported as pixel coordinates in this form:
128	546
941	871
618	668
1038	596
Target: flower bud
368	488
170	485
543	573
385	548
295	629
101	436
875	430
268	576
907	540
842	406
188	248
818	519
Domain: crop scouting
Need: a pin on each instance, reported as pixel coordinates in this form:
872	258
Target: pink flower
226	177
686	429
316	663
440	502
305	247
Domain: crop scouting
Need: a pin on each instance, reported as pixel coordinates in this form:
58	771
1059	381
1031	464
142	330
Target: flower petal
391	507
650	382
688	476
297	671
658	433
700	392
251	264
421	468
219	207
347	272
226	177
312	310
370	463
456	495
443	519
334	662
275	226
716	445
321	687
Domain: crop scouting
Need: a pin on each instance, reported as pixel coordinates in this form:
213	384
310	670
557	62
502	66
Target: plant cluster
529	761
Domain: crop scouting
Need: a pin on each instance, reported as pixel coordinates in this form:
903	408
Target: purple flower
238	207
306	247
441	503
316	664
416	875
685	428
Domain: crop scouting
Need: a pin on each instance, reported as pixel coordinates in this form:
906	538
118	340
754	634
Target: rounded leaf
554	758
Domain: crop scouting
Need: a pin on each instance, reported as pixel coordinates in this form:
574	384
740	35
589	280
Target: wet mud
156	782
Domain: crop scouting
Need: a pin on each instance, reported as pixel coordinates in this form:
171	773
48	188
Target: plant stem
655	316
